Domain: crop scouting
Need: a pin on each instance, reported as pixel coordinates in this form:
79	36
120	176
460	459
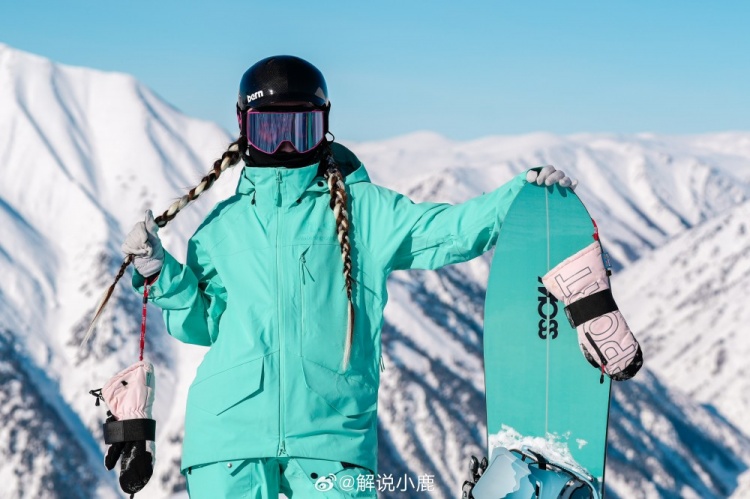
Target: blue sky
465	70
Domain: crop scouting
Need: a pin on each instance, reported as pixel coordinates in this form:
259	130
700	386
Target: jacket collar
268	193
276	186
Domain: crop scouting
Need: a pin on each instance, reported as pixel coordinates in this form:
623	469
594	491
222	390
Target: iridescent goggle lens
267	131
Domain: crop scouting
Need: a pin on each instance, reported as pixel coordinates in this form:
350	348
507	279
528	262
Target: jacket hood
349	165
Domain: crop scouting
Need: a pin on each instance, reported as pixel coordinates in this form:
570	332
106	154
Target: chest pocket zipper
303	270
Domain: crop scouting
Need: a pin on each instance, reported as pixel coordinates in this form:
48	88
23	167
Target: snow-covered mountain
696	318
83	153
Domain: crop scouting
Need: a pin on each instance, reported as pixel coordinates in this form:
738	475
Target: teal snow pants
265	478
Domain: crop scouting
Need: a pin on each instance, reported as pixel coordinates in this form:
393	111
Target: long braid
338	205
231	157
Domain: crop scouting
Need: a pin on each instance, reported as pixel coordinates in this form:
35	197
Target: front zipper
282	429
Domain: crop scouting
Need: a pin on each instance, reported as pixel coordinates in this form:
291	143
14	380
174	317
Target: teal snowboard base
542	394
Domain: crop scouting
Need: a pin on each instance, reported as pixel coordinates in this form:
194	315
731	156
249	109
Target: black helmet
277	80
282	78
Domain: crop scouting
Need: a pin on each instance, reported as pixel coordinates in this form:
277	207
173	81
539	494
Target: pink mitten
582	283
130	430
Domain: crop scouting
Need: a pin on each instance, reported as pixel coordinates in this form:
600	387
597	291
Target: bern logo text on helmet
255	95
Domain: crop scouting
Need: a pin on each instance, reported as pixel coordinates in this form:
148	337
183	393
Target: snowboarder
285	281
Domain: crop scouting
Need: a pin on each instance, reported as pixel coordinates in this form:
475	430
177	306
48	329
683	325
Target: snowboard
542	394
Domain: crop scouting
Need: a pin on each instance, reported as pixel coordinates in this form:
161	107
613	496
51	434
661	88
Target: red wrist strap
146	288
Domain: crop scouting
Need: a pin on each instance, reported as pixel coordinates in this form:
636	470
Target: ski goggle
266	131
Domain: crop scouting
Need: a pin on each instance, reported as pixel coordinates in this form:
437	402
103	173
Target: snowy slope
41	455
663	444
83	153
695	319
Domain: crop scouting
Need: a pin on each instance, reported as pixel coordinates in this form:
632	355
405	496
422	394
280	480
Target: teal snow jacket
263	288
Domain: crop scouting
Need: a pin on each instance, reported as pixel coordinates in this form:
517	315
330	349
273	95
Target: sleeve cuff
175	286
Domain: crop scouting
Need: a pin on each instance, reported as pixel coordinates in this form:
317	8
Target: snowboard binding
525	474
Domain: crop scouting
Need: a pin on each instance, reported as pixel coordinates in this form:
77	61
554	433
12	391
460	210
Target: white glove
144	243
549	176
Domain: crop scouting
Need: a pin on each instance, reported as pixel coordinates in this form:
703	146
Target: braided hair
231	157
338	204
